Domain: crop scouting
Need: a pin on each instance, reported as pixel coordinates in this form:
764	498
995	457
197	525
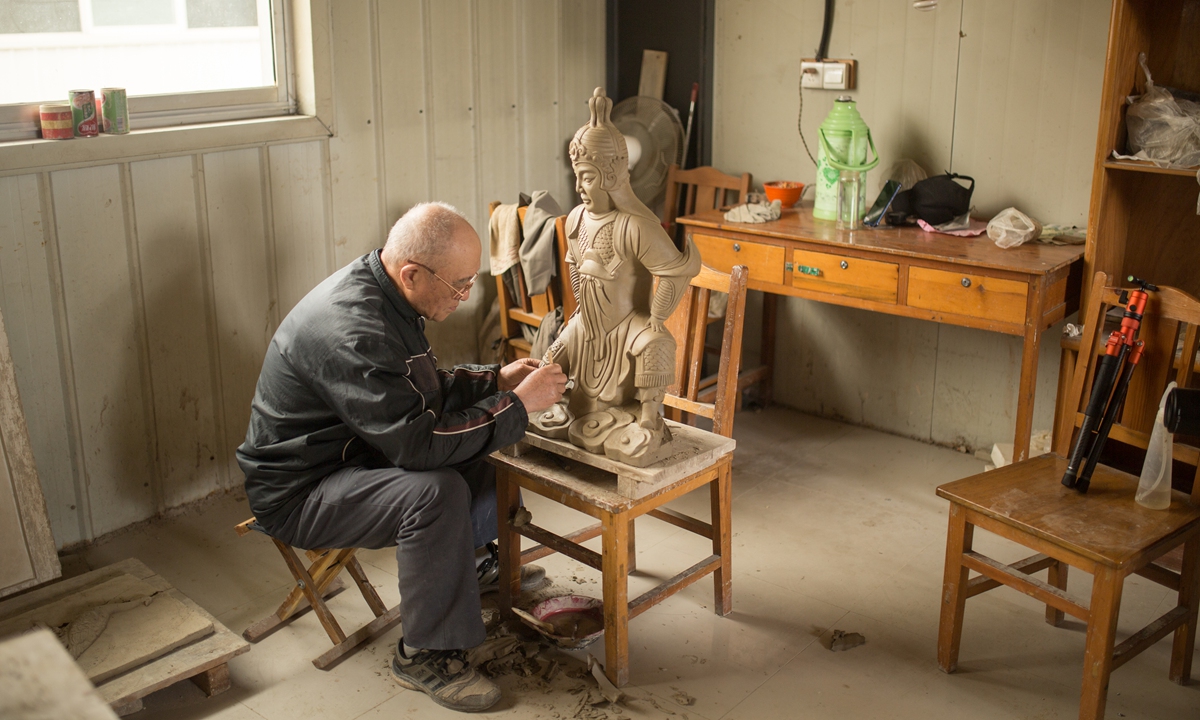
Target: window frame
20	121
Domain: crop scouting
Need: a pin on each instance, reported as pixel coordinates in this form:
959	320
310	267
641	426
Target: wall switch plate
838	74
831	74
811	74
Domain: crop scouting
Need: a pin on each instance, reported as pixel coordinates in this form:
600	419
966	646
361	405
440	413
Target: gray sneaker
532	576
445	676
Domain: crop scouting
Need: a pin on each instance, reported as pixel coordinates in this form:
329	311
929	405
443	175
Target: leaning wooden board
205	661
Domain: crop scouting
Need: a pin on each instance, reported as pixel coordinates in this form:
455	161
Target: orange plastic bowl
785	191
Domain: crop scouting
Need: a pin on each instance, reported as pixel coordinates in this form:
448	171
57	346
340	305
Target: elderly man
357	439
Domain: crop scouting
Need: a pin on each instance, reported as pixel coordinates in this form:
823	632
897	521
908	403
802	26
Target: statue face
587	184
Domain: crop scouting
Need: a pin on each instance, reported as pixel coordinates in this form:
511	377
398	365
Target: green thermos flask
845	139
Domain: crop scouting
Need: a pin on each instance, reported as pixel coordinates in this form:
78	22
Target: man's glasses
460	293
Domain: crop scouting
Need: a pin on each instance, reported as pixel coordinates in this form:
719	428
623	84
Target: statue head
599	147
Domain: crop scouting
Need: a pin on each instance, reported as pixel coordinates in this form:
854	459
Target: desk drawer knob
737	247
844	264
966	282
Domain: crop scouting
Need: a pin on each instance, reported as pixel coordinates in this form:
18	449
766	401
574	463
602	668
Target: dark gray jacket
349	379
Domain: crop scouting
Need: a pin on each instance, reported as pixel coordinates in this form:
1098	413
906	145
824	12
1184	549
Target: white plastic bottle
1154	489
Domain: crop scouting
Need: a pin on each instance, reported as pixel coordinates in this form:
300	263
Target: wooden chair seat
315	584
1101	527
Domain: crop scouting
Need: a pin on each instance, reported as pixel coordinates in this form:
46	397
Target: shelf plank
1148	167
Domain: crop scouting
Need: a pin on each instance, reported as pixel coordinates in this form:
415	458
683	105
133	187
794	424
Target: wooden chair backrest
569	302
702	188
688	325
1170	314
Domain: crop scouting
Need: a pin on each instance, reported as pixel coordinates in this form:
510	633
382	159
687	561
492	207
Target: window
180	61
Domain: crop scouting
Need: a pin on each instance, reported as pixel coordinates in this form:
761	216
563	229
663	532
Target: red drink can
57	121
83	108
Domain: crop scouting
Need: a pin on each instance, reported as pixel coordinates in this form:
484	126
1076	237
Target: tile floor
835	526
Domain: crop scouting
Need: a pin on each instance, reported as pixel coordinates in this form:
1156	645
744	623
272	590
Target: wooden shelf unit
1142	219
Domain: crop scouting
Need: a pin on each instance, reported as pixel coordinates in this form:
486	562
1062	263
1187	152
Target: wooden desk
902	271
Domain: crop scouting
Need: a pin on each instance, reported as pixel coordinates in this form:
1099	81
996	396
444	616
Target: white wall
140	295
1006	91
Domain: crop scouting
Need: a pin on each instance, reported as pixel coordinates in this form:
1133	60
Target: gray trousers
435	519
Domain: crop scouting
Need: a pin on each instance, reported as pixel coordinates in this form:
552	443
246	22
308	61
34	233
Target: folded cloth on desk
1062	235
755	212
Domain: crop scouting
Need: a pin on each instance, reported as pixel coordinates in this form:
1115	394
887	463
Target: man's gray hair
424	233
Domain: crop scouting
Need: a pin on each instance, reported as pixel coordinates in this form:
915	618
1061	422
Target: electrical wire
822	50
826	31
799	117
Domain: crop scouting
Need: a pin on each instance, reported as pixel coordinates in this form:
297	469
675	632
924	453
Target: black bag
935	200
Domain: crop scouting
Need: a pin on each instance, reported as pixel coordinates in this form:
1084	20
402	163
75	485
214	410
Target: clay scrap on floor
526	663
842	640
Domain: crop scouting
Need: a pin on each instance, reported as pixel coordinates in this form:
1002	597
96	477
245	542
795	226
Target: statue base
613	432
690	451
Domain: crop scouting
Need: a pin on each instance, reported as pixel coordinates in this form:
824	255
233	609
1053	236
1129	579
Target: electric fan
656	131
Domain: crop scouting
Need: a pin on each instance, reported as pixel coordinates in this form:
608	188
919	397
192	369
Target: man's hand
542	388
511	375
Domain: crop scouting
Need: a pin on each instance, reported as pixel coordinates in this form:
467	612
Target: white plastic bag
1161	128
907	173
1154	488
1011	227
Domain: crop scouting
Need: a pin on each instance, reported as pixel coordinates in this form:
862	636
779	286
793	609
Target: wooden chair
706	188
528	310
1103	532
314	585
689	325
545	476
702	188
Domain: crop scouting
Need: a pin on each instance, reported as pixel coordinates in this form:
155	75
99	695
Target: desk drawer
765	262
847	276
965	294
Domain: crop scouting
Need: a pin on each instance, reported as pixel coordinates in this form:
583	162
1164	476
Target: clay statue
615	348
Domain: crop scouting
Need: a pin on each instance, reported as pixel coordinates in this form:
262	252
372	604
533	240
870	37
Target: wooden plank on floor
37	673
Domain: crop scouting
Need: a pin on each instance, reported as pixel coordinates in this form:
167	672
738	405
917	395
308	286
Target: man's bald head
432	256
426	233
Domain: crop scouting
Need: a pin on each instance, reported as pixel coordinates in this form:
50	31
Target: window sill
24	156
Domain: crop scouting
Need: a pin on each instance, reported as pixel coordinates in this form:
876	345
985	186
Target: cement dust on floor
835	527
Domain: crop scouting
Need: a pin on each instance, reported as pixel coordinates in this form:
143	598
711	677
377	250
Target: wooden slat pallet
204	662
